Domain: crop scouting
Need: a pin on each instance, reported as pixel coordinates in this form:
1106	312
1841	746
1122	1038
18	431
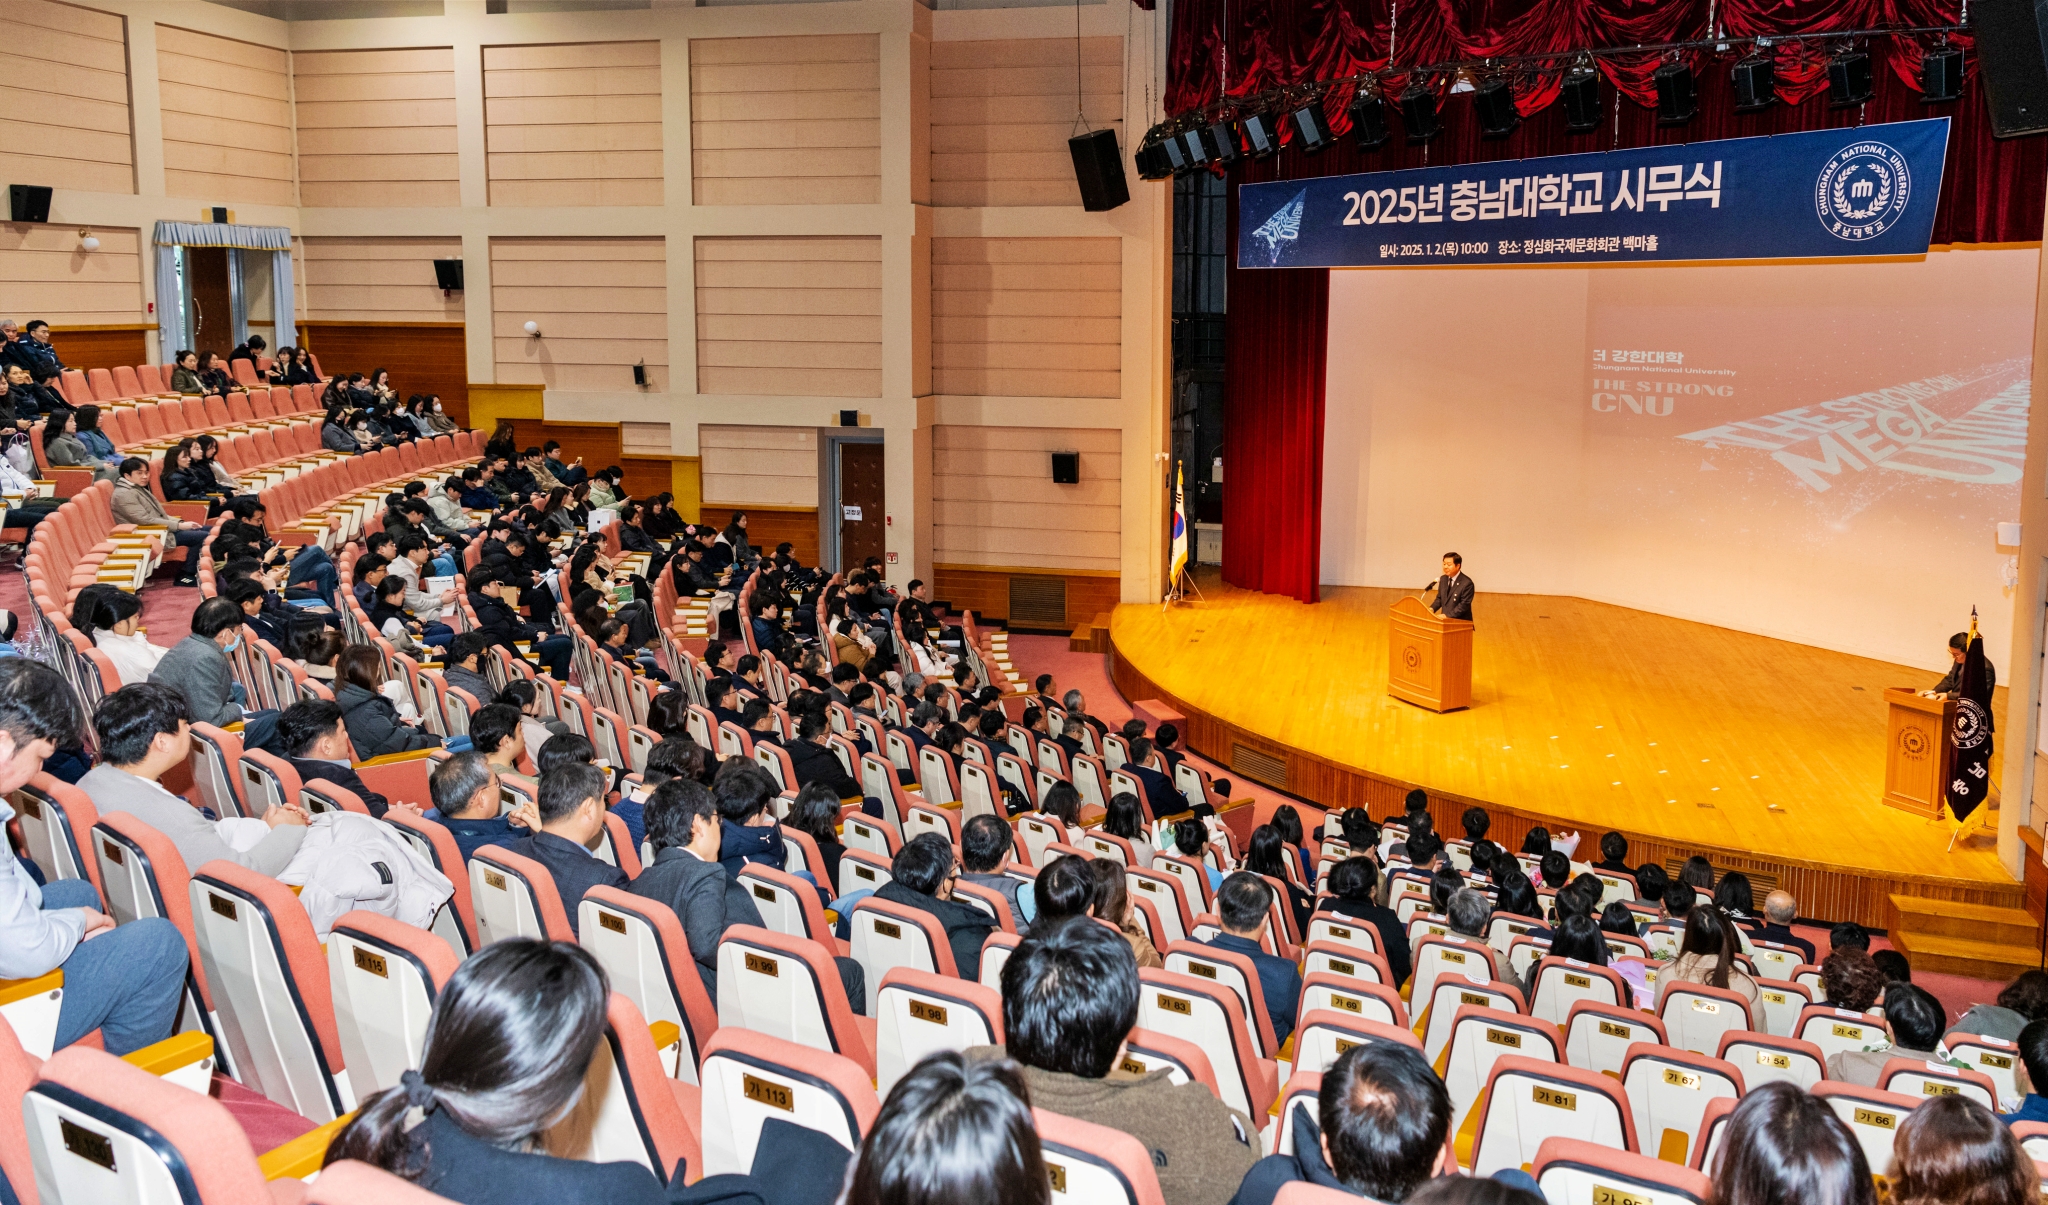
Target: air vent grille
1761	882
1264	767
1038	601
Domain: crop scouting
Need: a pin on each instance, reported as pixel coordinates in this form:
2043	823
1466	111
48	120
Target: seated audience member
1848	935
2022	1002
1732	895
1913	1019
1125	817
112	620
507	1048
374	725
2033	1044
1893	966
986	844
683	825
1851	980
1288	822
1614	854
197	666
1381	1119
747	827
1706	954
1779	911
1476	824
815	763
494	732
1161	798
1190	839
950	1131
1952	1149
1063	888
1353	886
1070	1001
815	813
1468	912
1267	855
464	668
124	981
1580	938
467	803
1113	904
1242	906
1698	874
1783	1146
1678	901
144	731
1518	898
1555	868
1650	883
501	627
536	727
317	745
921	877
571	815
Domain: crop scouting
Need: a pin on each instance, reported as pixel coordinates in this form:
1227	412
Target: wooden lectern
1917	751
1429	658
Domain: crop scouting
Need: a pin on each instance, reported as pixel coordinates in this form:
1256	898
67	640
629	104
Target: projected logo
1282	228
1863	190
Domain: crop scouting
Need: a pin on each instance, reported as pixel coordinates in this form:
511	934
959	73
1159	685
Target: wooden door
862	500
206	283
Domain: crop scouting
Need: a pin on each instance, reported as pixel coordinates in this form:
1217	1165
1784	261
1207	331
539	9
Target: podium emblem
1411	657
1913	743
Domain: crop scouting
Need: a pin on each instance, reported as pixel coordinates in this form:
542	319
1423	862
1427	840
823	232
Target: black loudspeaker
1259	135
220	213
28	203
1099	170
1756	83
2012	48
1197	147
448	275
849	418
1582	101
1849	81
1222	144
1066	468
640	373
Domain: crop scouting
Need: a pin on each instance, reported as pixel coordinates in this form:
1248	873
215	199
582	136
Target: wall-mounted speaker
220	214
28	203
2013	53
448	275
640	373
849	418
1099	170
1066	468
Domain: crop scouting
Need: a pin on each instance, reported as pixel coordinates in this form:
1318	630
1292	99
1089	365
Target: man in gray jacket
145	730
197	666
682	824
133	503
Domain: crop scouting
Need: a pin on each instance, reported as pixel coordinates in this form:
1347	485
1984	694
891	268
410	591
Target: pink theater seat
103	387
150	379
238	407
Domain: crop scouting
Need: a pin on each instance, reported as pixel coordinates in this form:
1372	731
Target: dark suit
1160	796
706	899
1784	936
1453	597
1953	681
1279	981
346	778
575	869
1393	934
463	1168
967	927
816	763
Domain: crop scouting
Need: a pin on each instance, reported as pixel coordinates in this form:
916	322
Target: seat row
101	386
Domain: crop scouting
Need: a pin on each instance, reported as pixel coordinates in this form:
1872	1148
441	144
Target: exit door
861	503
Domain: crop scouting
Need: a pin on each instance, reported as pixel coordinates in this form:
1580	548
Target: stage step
1978	940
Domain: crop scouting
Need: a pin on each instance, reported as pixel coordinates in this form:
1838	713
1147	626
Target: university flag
1970	781
1180	533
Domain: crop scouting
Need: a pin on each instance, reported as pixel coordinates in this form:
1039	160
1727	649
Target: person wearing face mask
197	666
337	434
440	422
112	619
133	503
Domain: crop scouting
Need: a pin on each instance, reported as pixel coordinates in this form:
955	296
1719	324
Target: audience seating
1835	1030
1213	1017
515	897
1451	995
1997	1058
1598	1037
1696	1015
1872	1115
886	936
455	923
642	947
386	976
1763	1058
1669	1089
1573	1172
751	1077
1480	1037
917	1013
632	1111
1528	1101
788	987
1324	1034
1919	1077
56	822
1093	1163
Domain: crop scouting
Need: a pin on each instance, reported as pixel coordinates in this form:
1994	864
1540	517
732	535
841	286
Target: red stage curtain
1273	430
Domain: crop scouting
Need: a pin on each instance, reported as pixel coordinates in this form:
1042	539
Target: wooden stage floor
1766	755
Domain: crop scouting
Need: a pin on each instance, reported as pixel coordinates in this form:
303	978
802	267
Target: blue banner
1823	194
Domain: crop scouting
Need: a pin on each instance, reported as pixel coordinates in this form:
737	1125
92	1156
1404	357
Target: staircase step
1976	922
1962	956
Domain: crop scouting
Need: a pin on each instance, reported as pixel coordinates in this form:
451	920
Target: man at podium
1453	590
1951	686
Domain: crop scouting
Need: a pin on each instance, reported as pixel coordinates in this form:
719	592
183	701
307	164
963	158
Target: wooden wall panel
596	443
758	466
796	315
986	592
573	125
1002	111
994	501
423	358
44	275
602	305
378	279
64	88
227	118
1027	317
104	348
786	121
376	127
767	527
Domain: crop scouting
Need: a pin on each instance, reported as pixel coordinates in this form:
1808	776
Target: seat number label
889	929
1611	1030
1555	1098
1350	1004
1937	1088
1058	1175
91	1147
1848	1031
1338	931
1705	1006
1473	998
1603	1195
764	893
373	963
1504	1037
766	1092
1454	956
1771	1058
1774	997
2001	1061
1681	1079
494	880
919	1010
1175	1004
1571	980
607	920
1343	968
763	966
1203	969
1872	1117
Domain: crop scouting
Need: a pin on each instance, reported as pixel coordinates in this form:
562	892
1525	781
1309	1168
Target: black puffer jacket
373	725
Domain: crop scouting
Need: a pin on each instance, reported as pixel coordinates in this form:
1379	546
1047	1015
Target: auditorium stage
1764	755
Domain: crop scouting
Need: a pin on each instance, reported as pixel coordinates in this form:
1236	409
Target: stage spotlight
1260	135
1941	75
1494	100
1756	82
1677	97
1176	155
1223	149
1418	113
1849	81
1196	146
1581	92
1151	162
1312	127
1369	120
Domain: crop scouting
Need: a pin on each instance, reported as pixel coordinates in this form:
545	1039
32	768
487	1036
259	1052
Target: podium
1918	755
1429	658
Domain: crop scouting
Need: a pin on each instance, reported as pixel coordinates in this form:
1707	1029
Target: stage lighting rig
1581	95
1849	81
1260	134
1418	112
1311	127
1941	75
1677	93
1369	118
1755	78
1494	101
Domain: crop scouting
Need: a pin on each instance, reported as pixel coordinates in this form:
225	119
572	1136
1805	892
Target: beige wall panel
44	275
601	303
226	118
376	127
378	279
1002	111
1027	317
994	501
789	316
765	111
64	88
759	466
573	125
